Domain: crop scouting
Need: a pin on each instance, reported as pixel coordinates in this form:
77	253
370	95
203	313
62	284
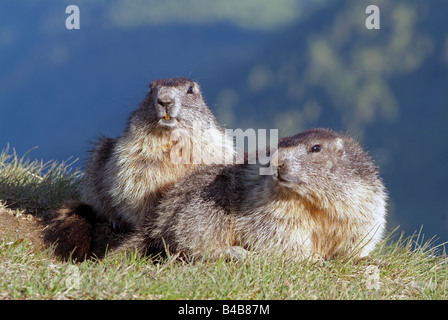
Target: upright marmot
170	134
324	198
167	137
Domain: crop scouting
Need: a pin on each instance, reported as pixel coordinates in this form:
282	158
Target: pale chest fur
290	223
144	166
140	168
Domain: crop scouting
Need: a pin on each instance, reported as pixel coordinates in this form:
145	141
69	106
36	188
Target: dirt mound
17	224
20	224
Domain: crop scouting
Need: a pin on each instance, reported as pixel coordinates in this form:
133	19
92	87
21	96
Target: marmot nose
165	102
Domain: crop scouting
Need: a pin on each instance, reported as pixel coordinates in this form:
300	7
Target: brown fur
317	204
71	231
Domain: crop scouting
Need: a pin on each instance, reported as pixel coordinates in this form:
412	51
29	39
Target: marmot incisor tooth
125	176
324	199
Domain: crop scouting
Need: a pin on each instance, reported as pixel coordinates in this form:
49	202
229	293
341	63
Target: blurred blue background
285	64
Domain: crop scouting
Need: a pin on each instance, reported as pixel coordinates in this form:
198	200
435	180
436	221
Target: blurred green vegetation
259	14
351	64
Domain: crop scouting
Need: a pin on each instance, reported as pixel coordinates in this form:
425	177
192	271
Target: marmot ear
338	147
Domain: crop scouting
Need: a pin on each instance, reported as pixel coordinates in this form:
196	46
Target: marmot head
175	102
325	167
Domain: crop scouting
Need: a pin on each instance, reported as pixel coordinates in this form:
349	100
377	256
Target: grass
36	185
393	272
400	268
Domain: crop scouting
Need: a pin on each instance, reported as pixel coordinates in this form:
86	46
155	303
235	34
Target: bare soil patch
19	225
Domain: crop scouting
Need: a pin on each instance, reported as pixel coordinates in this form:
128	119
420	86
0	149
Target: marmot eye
190	89
316	148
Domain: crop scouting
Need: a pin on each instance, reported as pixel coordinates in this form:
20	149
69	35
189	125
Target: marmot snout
176	100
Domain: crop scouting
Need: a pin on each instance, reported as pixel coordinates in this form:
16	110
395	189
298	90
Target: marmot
167	137
325	198
171	133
